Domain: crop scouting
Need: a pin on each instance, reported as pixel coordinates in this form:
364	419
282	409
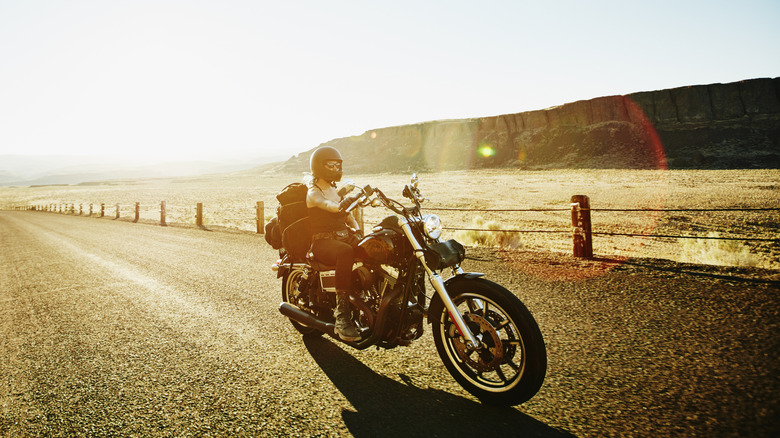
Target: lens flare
486	151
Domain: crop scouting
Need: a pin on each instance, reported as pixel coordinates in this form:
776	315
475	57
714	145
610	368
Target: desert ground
230	202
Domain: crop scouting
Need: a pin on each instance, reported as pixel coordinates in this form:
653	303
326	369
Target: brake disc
487	358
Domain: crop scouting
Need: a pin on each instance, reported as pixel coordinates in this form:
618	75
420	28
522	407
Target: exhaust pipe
298	315
306	319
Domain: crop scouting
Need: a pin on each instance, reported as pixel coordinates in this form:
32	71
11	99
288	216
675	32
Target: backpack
293	220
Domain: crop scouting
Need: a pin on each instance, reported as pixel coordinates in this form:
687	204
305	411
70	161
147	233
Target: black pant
338	253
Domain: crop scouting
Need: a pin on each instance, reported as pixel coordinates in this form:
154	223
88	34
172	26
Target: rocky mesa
716	126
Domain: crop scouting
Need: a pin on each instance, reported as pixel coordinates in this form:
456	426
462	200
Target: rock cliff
733	125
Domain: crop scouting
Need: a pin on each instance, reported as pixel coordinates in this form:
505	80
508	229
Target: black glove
346	202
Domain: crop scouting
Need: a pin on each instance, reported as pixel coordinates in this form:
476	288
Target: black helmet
317	164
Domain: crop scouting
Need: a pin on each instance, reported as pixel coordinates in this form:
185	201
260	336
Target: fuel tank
386	244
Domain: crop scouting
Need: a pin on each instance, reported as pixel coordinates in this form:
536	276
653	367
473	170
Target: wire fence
607	233
254	217
250	218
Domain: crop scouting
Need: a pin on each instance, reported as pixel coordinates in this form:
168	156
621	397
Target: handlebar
410	191
366	193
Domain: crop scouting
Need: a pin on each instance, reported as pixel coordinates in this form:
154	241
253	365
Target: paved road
109	328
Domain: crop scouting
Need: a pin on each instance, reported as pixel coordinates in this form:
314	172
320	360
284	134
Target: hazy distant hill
716	126
25	170
7	177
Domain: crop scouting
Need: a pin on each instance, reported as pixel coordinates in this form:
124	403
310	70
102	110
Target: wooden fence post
581	228
137	211
81	209
259	215
90	209
117	211
162	213
102	209
199	214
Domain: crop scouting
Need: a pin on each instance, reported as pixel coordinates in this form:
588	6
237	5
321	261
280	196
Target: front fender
437	304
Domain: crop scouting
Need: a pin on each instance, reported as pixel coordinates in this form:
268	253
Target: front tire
510	367
292	295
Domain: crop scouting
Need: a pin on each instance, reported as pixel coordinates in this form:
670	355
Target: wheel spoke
501	375
475	306
502	324
483	305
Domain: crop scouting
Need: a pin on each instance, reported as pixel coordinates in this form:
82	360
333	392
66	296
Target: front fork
472	343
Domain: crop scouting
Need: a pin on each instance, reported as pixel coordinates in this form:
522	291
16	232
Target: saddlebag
272	233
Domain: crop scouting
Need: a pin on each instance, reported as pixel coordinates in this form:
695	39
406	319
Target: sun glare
486	151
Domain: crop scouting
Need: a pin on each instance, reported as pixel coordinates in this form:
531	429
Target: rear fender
284	267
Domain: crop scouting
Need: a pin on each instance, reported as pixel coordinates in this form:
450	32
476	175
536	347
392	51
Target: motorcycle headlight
432	226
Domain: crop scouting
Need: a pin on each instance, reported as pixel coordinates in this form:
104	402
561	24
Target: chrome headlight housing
432	226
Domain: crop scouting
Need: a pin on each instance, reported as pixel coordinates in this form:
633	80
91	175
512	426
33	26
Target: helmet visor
332	165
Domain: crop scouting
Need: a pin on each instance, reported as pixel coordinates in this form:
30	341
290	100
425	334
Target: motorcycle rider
331	235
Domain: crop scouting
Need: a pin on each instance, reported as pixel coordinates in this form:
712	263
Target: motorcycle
485	336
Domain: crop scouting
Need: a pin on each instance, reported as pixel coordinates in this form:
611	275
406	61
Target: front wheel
510	366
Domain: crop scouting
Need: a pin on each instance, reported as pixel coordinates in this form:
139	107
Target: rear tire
511	367
292	295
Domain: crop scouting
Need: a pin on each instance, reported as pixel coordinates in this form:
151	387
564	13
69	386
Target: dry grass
718	252
229	200
495	237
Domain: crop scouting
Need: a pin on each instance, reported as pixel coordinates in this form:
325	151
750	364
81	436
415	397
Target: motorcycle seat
321	267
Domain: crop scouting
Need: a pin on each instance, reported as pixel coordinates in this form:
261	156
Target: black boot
345	328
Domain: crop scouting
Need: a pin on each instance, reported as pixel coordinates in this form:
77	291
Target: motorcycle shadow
386	407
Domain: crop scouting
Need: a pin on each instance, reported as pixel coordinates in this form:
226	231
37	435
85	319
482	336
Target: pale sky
163	78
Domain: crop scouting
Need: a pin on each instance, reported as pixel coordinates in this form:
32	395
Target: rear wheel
510	366
292	295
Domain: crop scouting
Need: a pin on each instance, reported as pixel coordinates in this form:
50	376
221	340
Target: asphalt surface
109	328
